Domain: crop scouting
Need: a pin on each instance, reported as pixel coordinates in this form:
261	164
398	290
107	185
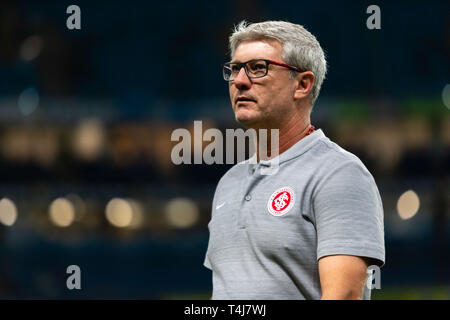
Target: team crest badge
281	201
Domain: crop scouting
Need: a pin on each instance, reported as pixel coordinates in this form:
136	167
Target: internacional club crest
281	201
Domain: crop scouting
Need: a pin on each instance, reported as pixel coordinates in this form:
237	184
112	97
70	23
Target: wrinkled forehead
258	49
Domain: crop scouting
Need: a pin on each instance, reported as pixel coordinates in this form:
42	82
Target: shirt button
248	197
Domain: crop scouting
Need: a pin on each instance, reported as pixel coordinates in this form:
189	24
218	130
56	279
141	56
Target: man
310	230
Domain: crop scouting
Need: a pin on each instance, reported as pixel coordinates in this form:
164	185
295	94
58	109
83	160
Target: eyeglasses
256	68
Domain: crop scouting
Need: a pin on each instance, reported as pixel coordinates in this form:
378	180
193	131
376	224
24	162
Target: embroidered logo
281	201
220	205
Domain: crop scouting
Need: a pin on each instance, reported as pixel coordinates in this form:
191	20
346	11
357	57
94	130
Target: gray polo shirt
267	232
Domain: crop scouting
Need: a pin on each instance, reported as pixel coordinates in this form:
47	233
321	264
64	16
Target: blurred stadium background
86	118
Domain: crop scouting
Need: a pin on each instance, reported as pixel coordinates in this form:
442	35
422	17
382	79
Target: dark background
86	115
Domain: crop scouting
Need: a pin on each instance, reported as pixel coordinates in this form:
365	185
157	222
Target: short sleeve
349	213
206	262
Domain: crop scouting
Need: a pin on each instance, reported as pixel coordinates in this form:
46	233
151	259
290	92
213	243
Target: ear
304	85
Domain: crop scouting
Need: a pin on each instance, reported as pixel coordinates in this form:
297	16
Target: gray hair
300	47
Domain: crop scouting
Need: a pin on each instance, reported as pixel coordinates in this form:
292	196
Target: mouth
242	99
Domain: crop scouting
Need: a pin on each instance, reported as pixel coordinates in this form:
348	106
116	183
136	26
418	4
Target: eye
257	66
234	68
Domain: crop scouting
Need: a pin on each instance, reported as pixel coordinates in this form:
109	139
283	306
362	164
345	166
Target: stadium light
8	212
62	212
182	213
119	213
408	204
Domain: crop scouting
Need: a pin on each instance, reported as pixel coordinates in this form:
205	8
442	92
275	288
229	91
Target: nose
242	81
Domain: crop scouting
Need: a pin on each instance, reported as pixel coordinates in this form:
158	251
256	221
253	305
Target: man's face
271	97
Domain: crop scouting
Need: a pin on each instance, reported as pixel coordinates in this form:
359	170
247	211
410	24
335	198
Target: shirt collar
294	151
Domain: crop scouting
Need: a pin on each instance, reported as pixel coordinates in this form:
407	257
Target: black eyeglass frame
268	62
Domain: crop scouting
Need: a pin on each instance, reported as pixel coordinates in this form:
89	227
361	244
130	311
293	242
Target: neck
289	133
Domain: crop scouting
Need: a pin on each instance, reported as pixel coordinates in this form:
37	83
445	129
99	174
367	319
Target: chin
248	118
247	122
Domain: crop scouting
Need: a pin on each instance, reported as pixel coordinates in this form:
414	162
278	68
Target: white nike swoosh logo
220	206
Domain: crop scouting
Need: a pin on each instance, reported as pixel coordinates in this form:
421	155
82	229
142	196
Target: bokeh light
31	48
182	213
28	101
62	212
408	204
119	212
8	212
446	96
88	139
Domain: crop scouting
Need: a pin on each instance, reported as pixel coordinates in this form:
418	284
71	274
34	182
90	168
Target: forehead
258	49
